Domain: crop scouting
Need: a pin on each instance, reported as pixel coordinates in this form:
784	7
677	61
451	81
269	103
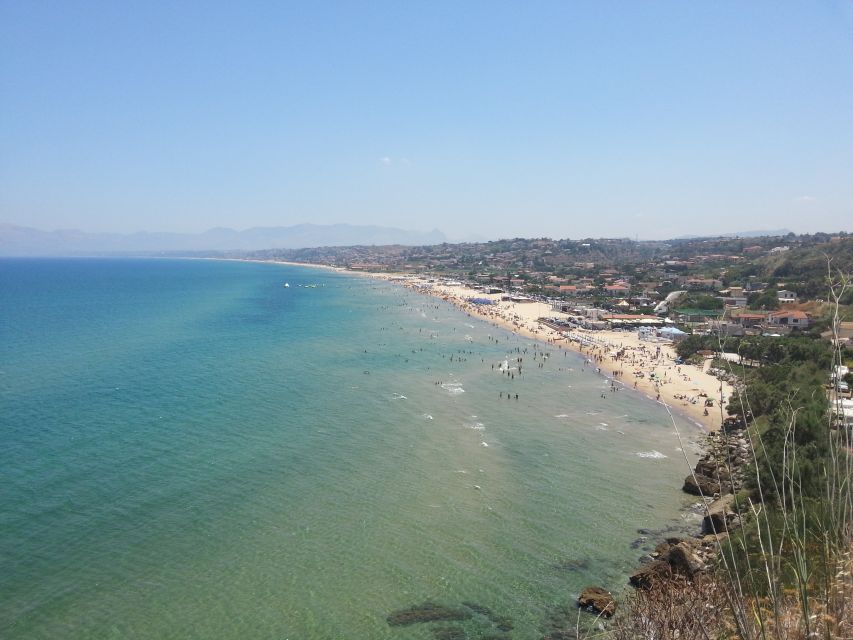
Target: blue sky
495	119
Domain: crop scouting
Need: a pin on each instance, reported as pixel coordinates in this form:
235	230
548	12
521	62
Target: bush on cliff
787	572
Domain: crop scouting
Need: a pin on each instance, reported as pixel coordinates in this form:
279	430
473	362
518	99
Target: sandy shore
647	366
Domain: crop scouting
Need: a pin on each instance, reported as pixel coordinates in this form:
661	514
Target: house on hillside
793	319
749	319
725	328
785	296
569	289
701	283
733	297
617	290
754	286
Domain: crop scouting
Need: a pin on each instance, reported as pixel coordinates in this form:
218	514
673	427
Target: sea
223	449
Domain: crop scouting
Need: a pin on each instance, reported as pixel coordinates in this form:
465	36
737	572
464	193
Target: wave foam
651	454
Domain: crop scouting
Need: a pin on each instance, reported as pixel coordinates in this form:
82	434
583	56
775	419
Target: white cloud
805	199
385	160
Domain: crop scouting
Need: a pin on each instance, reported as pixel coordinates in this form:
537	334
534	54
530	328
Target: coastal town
732	286
606	296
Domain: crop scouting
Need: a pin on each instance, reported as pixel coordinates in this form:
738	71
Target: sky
482	119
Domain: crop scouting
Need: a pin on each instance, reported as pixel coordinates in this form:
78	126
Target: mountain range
26	241
766	233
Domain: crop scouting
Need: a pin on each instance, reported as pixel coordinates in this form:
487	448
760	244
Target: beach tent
670	332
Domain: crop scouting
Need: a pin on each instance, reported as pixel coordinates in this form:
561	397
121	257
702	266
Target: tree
768	300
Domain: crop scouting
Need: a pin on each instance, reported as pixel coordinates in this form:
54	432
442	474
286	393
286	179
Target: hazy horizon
744	233
482	120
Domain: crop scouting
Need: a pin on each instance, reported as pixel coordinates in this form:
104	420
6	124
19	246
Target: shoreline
647	367
620	356
324	267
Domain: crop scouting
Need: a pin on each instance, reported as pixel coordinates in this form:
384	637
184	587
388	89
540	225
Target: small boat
286	285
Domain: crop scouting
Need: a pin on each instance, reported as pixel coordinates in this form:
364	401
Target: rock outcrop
676	556
597	600
650	574
721	470
721	516
719	474
699	485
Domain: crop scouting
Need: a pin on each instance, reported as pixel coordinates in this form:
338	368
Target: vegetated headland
751	337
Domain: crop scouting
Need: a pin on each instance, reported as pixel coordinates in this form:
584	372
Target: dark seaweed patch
478	608
503	623
426	612
449	633
579	564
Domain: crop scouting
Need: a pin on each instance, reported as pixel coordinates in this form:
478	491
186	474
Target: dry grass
709	608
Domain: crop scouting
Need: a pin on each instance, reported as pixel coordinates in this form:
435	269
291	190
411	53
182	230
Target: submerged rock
597	600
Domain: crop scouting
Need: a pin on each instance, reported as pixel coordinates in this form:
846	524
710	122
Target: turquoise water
188	449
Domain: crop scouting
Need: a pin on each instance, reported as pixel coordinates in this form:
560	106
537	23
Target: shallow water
188	449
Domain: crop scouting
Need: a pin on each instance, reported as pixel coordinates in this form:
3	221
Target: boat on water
286	285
